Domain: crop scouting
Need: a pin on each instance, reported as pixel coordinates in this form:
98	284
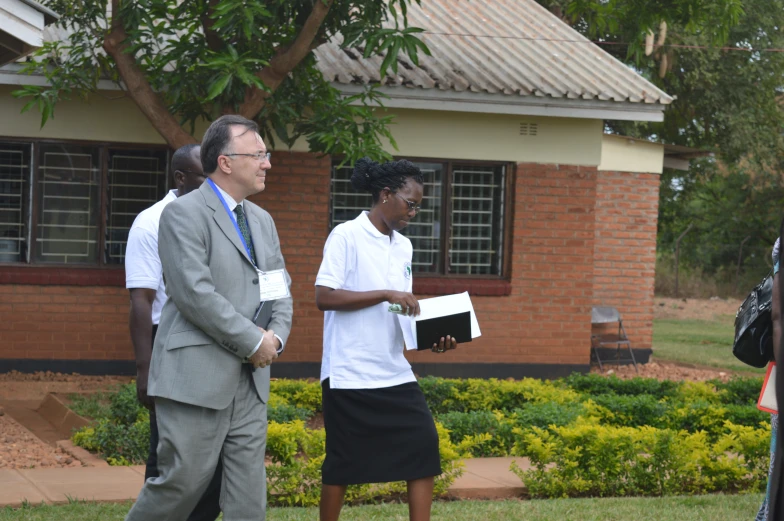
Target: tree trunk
139	89
284	62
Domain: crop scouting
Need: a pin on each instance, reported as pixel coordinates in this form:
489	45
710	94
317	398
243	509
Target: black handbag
753	326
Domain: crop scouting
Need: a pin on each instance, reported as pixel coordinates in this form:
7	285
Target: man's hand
446	344
267	351
142	373
406	300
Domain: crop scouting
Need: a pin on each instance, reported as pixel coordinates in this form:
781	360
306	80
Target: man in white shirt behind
144	280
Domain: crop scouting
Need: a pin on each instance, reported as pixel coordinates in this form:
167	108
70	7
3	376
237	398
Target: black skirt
378	435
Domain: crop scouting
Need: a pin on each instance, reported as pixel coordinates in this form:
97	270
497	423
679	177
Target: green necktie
243	224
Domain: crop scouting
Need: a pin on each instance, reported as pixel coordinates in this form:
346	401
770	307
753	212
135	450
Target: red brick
577	240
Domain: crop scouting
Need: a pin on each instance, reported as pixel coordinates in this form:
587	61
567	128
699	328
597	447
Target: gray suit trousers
192	438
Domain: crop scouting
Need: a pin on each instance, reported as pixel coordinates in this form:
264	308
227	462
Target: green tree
622	25
728	102
182	61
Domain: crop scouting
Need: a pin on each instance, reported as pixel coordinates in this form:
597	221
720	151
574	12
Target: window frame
103	172
510	174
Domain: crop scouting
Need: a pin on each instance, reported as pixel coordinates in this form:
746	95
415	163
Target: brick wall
563	217
64	322
52	313
625	249
546	318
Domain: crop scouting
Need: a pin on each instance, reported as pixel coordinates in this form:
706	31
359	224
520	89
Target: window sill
62	275
475	287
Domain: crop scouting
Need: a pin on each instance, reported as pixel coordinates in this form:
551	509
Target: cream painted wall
496	137
111	117
622	154
107	116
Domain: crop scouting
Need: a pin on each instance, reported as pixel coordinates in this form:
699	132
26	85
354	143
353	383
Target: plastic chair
609	315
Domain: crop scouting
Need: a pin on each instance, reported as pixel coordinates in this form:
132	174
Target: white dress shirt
142	264
363	349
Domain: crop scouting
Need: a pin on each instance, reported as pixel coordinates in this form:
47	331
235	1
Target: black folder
430	331
264	315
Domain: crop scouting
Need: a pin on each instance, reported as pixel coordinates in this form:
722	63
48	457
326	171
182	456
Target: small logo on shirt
407	270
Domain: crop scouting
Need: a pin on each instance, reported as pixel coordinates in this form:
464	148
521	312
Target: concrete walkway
485	478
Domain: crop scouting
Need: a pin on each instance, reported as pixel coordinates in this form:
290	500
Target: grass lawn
700	342
708	508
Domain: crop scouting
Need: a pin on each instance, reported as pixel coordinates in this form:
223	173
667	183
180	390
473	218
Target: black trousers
208	507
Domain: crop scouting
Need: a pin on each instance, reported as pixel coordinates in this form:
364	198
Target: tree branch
214	41
139	89
284	61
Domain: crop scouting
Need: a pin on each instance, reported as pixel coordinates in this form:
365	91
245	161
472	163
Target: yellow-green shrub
294	478
124	437
474	394
588	459
299	393
689	392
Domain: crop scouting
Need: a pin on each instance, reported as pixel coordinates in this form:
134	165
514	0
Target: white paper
438	307
272	285
768	398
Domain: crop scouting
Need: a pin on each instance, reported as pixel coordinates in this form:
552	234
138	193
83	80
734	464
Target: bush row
296	453
469	407
677	434
452	395
588	459
608	410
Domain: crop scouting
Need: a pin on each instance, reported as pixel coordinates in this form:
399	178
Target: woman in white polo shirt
379	428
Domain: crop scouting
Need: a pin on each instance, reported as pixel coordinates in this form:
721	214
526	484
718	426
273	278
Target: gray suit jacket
206	329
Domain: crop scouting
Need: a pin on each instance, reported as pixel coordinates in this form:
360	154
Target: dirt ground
35	386
694	309
20	448
664	371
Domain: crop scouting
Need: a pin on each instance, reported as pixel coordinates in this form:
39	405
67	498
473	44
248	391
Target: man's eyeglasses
411	204
259	156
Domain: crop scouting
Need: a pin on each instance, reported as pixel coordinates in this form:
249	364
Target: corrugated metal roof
499	47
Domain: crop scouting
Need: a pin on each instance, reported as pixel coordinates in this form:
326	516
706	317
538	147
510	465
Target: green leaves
391	41
350	126
239	18
218	86
204	58
628	21
229	66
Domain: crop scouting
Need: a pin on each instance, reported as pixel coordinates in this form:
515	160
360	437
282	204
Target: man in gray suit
209	374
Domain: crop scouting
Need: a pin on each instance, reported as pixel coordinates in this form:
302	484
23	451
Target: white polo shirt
363	349
142	263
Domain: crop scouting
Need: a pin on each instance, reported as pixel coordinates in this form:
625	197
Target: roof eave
50	16
445	100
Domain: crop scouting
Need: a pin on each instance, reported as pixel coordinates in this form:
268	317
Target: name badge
272	285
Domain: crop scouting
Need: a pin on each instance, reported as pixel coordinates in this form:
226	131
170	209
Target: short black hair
182	159
373	177
217	138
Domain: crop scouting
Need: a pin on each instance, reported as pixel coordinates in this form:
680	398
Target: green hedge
294	477
122	437
595	384
587	459
686	437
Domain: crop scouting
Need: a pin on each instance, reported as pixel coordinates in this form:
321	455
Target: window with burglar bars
14	205
68	204
472	225
74	201
136	181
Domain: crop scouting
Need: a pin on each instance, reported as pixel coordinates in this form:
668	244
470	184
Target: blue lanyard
231	216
